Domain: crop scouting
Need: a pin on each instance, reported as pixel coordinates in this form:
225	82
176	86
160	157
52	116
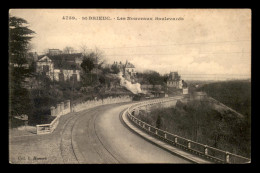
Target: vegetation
235	94
200	122
152	77
19	38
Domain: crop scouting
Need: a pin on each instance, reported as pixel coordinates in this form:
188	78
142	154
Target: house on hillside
63	60
60	67
127	68
130	68
174	80
45	66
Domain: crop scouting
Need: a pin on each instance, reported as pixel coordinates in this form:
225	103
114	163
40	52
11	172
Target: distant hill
235	94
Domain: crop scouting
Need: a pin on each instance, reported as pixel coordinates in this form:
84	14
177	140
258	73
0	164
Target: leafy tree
106	70
165	78
152	77
19	44
102	80
115	69
91	61
19	38
88	63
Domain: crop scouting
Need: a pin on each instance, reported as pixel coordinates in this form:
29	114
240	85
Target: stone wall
61	109
93	103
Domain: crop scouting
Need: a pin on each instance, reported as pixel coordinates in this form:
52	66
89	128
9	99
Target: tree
106	70
19	38
19	44
152	77
115	69
68	50
165	78
83	49
88	63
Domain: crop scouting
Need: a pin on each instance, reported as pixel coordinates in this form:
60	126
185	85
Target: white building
130	68
174	80
45	66
67	71
127	68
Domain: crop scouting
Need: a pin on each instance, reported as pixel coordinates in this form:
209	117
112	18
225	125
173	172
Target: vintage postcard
112	86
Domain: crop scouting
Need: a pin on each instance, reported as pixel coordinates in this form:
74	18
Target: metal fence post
189	144
37	129
227	157
206	150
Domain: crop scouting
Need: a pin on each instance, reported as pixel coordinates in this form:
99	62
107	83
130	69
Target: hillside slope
235	94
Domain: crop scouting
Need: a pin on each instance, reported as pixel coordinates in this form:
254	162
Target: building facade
174	80
127	68
61	70
45	66
130	69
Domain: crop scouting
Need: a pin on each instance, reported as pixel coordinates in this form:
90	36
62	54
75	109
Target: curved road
98	136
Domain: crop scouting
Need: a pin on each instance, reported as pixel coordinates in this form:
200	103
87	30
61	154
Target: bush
199	121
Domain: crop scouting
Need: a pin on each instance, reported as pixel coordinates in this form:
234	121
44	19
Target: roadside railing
47	128
213	154
61	109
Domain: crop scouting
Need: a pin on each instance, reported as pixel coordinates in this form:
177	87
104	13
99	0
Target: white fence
61	109
202	150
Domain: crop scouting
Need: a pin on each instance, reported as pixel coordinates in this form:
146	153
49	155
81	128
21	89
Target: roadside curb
161	144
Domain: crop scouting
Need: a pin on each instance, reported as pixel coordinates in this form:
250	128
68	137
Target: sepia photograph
129	86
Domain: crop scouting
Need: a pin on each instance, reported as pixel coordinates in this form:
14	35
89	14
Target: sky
202	43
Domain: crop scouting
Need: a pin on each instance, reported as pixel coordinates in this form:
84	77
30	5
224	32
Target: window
45	68
73	77
61	77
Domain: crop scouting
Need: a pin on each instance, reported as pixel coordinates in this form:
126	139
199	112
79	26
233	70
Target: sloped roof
66	57
174	76
129	65
63	61
44	58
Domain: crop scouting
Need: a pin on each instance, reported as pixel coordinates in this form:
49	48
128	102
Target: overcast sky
204	42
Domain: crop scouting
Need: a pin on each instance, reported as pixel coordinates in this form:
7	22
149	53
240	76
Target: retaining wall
65	108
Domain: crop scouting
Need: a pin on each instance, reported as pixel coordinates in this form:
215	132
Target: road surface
91	136
100	137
